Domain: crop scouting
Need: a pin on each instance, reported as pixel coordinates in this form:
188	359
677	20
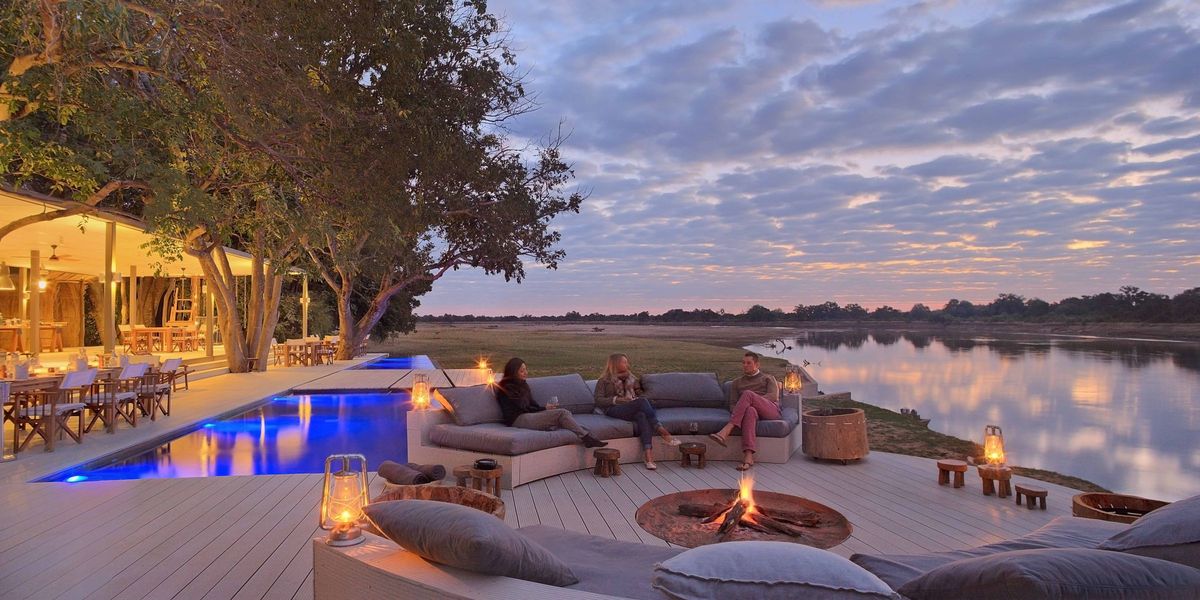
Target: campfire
743	512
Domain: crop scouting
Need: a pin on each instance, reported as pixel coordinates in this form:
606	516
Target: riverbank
558	348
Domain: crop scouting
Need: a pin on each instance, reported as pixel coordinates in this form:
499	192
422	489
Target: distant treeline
1128	305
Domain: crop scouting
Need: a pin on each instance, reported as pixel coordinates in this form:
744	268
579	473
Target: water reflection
1124	414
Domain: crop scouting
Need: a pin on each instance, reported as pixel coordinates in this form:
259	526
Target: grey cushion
1062	532
594	560
468	539
498	438
573	394
605	427
710	420
707	420
667	390
1056	573
473	405
1170	533
765	571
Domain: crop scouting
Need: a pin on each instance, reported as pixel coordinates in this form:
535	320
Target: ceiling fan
54	257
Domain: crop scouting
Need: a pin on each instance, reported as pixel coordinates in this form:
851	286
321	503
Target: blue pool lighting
210	425
76	478
400	362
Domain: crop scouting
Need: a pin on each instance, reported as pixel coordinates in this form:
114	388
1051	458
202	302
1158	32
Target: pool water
289	434
400	362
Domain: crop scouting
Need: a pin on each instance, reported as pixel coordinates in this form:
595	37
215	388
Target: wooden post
108	328
35	304
23	289
133	299
211	301
304	307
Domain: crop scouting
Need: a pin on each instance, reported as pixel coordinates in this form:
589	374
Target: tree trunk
350	337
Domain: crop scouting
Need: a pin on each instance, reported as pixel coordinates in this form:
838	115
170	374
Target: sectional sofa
467	425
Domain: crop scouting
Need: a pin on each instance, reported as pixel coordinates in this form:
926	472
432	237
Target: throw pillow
473	405
1056	573
1170	533
674	390
466	538
572	392
765	571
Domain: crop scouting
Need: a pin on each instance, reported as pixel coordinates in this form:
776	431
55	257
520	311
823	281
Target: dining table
42	382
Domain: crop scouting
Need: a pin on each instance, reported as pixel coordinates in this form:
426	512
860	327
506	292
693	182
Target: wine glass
553	403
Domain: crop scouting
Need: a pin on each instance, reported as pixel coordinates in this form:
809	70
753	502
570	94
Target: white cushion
765	571
1170	533
43	410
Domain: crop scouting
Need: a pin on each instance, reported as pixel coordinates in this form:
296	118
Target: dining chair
119	397
47	413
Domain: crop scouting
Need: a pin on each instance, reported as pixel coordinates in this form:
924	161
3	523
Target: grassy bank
553	349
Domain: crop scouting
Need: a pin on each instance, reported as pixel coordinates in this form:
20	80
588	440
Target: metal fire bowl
661	517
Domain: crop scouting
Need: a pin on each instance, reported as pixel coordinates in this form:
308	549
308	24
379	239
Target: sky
870	152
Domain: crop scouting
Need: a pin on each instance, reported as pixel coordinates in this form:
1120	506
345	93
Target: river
1122	413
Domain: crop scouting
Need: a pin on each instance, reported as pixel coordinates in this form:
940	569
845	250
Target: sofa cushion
1170	533
1056	573
605	427
668	390
594	560
572	392
498	438
708	420
472	405
1062	532
765	571
466	538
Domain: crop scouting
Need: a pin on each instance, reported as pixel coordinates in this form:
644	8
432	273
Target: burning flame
482	363
746	493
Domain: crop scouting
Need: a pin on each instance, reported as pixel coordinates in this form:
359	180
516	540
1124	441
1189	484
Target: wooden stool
1030	492
461	474
487	480
608	462
945	467
993	475
690	449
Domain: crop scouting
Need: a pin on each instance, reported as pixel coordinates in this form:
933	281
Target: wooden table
305	351
13	337
145	340
50	337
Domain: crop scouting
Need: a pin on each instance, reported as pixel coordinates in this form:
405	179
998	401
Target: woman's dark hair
511	367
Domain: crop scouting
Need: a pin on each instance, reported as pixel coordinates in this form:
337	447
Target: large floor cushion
1062	532
497	438
603	565
669	390
604	427
573	393
1170	533
709	420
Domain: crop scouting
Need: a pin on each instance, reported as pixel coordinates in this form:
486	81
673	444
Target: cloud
865	152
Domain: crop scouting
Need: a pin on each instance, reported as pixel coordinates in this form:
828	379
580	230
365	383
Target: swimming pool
288	434
400	362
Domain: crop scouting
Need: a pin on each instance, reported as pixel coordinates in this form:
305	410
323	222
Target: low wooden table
1030	492
690	449
485	480
948	466
608	462
992	476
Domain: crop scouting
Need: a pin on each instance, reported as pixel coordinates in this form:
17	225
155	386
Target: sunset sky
789	152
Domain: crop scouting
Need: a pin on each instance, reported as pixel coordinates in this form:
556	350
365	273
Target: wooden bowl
476	499
1118	508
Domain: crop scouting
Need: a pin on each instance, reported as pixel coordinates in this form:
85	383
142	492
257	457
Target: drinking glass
553	402
694	427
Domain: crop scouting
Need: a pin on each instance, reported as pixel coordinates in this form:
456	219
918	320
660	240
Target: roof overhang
80	242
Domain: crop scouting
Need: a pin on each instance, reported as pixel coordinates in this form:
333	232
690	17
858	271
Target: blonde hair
610	367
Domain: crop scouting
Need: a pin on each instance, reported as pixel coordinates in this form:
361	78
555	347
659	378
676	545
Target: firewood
732	517
780	526
806	518
702	510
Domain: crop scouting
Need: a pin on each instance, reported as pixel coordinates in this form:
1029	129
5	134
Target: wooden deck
247	537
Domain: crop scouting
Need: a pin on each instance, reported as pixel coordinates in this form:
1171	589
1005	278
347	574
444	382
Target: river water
1122	413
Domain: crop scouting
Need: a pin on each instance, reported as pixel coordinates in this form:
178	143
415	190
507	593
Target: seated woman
619	395
754	396
519	409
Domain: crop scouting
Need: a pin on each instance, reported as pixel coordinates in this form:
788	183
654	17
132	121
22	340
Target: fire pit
699	517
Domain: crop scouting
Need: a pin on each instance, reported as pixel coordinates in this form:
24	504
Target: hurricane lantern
420	391
993	445
491	377
792	380
342	498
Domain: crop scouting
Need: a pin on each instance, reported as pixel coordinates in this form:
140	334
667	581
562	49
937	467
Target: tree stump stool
690	449
607	462
461	474
992	476
948	466
487	480
1030	492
